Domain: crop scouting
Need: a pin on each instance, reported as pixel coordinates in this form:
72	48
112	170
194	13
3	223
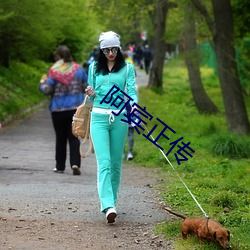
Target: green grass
217	173
19	88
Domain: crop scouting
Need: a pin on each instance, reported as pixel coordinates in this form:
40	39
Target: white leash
179	177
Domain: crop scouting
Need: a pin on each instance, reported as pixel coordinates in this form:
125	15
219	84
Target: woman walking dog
108	131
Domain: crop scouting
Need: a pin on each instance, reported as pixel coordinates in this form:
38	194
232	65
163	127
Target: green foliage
175	25
210	129
170	230
243	59
19	87
231	146
241	17
224	200
175	28
128	18
29	33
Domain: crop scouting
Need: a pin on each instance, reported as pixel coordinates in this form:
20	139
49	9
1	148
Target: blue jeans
108	139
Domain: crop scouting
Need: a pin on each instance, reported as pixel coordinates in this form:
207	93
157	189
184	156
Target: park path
43	210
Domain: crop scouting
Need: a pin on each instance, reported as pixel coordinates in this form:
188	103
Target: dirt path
43	210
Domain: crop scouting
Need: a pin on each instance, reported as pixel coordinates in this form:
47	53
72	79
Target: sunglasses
106	51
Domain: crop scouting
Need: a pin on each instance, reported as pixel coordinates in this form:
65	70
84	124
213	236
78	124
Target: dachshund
204	229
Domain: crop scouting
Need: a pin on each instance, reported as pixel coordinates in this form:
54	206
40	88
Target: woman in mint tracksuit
108	131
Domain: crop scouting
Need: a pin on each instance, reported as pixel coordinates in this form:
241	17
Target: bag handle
85	139
85	99
91	148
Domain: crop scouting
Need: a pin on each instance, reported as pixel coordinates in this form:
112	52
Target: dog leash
180	177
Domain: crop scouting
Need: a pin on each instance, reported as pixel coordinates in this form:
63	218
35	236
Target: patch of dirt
57	235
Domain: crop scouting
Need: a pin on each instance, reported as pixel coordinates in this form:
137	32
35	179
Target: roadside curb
22	114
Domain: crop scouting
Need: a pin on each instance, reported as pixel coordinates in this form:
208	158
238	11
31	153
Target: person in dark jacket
147	54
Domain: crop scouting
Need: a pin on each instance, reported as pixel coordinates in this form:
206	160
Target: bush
223	200
231	146
19	88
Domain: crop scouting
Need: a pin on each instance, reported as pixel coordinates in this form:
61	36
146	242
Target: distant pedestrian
93	55
107	130
147	54
138	56
131	128
65	84
131	137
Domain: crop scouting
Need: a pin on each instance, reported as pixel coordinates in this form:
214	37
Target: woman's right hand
90	91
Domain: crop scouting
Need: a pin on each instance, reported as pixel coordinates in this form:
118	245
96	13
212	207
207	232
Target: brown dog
204	229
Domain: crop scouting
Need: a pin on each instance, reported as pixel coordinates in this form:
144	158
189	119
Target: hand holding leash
90	91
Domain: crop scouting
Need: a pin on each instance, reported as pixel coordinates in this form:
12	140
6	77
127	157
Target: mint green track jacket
103	83
109	136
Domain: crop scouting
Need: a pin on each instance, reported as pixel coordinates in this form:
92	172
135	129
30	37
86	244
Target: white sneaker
76	170
130	156
111	214
58	171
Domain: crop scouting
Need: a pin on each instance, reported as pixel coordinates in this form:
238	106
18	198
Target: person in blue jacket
109	74
65	83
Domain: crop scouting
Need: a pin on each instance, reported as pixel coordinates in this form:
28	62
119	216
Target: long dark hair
102	67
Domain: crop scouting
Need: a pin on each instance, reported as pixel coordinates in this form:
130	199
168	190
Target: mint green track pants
108	139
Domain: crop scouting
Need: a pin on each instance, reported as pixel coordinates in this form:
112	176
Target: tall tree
159	44
223	38
201	99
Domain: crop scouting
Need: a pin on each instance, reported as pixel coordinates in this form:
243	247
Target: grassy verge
217	173
19	88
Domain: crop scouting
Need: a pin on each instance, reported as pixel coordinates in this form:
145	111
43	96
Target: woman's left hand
90	91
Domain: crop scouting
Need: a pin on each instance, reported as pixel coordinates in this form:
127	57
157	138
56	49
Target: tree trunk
223	38
235	109
201	99
159	46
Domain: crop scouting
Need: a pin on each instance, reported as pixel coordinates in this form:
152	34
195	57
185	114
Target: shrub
223	200
231	146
